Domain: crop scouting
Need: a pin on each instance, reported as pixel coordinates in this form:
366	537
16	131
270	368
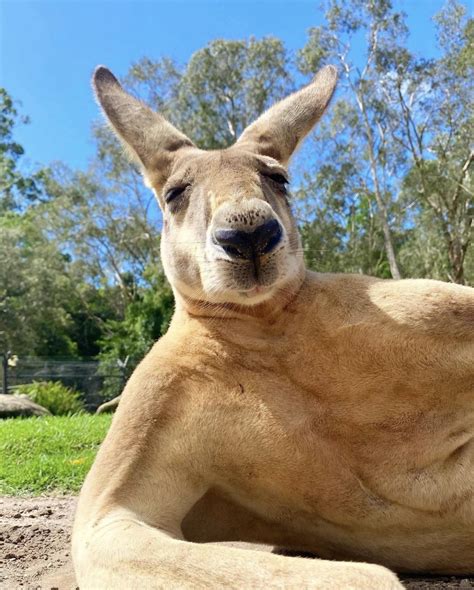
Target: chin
248	295
217	286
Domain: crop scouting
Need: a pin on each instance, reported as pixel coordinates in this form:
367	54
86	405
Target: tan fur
332	414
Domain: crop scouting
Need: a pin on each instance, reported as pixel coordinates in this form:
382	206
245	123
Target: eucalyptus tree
398	142
357	142
17	188
435	100
228	84
33	290
33	287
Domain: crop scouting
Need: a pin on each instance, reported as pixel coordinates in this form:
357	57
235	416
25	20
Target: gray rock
14	406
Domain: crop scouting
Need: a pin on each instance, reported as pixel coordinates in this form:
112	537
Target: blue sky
48	50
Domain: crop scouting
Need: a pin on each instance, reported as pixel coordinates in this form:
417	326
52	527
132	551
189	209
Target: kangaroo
328	414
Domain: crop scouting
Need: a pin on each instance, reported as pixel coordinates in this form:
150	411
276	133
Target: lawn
48	454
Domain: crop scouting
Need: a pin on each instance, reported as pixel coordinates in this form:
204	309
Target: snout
249	245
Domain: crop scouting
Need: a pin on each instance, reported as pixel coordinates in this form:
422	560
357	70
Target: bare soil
35	548
35	543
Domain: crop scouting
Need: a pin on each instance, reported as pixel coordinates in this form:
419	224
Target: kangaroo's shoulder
442	309
425	305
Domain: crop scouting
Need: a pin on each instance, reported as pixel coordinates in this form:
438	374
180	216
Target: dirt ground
34	543
35	552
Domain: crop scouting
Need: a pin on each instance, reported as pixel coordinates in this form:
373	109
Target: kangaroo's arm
154	465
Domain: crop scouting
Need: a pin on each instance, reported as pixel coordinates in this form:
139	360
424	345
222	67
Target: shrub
54	396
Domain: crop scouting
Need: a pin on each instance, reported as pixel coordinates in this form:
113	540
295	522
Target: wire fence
91	379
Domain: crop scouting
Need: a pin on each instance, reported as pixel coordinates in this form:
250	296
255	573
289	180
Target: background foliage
383	186
54	396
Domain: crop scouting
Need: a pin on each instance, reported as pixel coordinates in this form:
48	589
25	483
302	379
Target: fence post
123	372
5	371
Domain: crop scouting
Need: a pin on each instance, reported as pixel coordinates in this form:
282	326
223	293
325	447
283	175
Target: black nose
248	245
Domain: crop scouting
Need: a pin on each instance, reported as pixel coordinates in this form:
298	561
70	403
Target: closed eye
278	179
175	192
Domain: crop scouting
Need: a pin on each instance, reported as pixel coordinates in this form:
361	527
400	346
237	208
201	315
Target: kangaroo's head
228	232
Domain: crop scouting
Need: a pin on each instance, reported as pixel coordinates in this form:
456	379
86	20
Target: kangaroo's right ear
151	140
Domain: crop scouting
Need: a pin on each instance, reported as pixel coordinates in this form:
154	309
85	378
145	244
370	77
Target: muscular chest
308	454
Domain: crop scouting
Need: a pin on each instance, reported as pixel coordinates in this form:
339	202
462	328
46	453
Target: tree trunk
382	209
387	235
456	253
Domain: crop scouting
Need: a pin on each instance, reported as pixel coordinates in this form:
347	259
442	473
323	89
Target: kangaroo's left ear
151	140
278	132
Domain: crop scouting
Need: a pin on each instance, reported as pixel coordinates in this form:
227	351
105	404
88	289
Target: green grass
48	454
